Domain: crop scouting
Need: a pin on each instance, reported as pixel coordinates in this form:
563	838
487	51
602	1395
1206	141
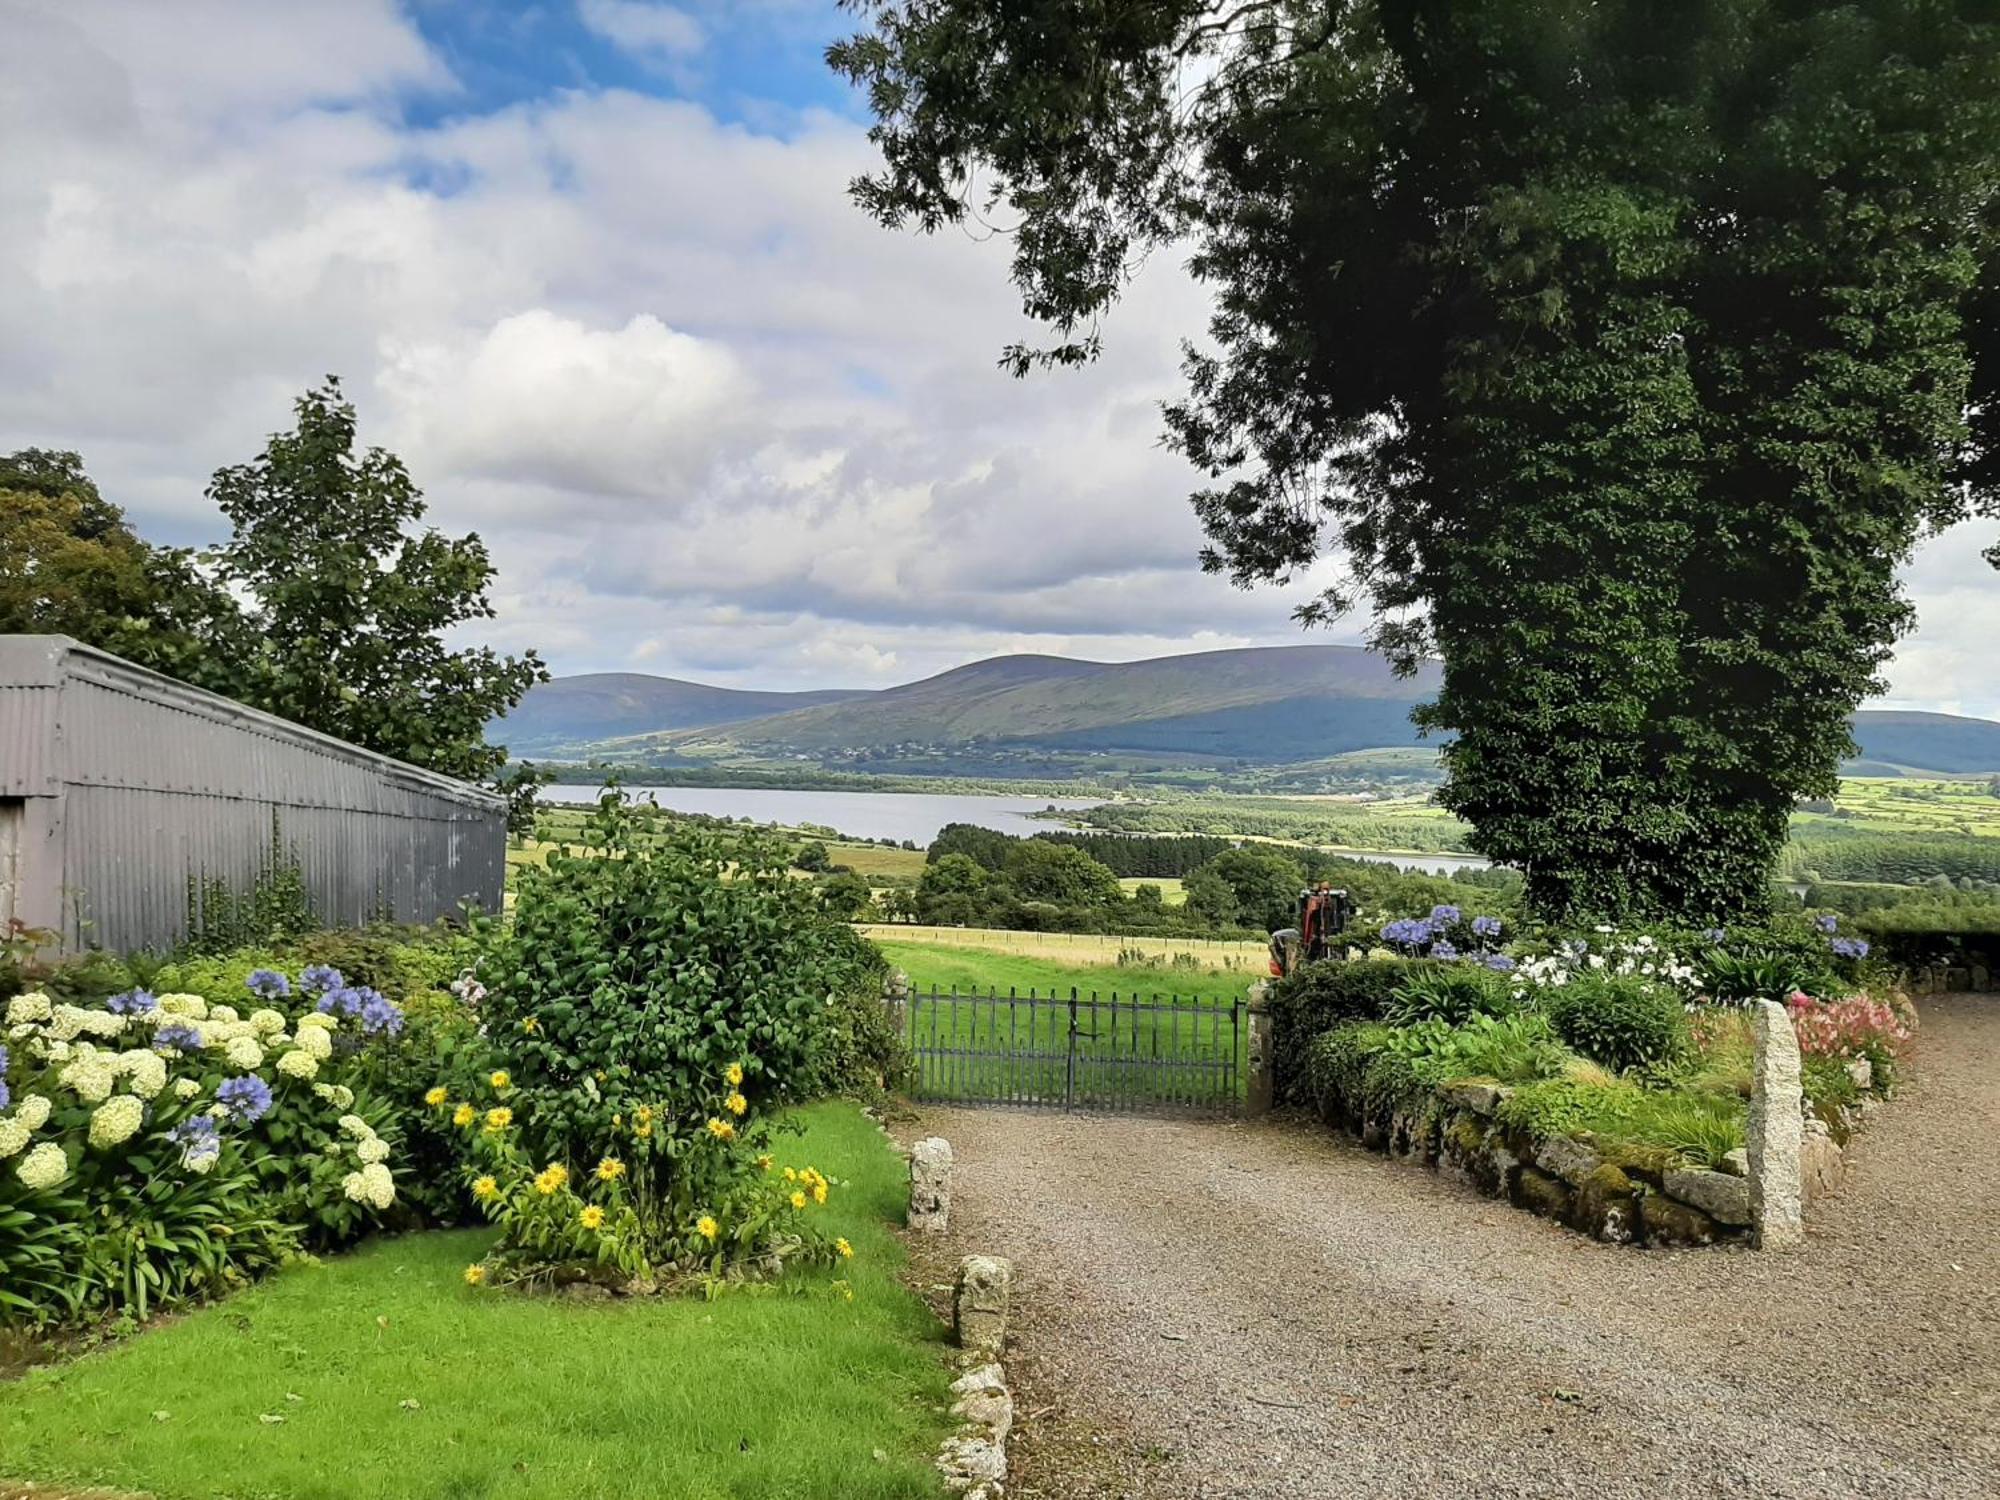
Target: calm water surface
916	816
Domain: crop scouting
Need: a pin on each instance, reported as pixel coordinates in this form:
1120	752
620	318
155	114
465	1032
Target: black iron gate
1082	1050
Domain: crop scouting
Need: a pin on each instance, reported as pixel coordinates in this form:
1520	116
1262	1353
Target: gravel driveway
1268	1311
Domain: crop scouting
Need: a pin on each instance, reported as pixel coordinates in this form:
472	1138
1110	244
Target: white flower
199	1156
297	1064
186	1088
357	1127
319	1020
14	1135
189	1007
377	1185
316	1041
33	1111
337	1094
267	1022
33	1006
43	1167
116	1121
89	1077
245	1053
354	1187
373	1149
222	1013
146	1070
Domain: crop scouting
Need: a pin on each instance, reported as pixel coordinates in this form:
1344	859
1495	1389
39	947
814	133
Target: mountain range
1272	705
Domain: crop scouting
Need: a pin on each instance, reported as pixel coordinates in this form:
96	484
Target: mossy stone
1539	1193
1668	1221
1647	1164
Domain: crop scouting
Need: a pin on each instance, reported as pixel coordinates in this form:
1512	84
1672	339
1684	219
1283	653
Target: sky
590	268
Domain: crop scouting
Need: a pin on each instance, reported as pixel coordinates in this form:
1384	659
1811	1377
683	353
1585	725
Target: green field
379	1375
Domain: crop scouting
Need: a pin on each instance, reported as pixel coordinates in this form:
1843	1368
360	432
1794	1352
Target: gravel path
1268	1311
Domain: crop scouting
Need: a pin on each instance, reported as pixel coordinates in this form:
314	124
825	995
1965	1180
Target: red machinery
1323	917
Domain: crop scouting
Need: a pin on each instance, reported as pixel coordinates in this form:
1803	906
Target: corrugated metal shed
118	786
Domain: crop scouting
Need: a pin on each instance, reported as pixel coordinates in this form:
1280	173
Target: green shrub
1450	992
1337	1061
1510	1049
1314	997
1702	1127
1621	1021
1391	1084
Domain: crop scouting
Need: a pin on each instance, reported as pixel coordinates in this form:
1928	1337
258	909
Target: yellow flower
498	1078
591	1218
475	1275
819	1192
551	1178
610	1169
706	1227
485	1188
736	1104
530	1024
437	1096
722	1130
798	1200
644	1115
845	1250
464	1115
763	1163
642	1131
790	1175
733	1073
498	1119
617	1120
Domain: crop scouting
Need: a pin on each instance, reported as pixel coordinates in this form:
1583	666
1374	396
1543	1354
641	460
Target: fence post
896	1000
1777	1129
1261	1088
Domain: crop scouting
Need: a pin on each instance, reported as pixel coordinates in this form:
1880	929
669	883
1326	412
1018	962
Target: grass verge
393	1379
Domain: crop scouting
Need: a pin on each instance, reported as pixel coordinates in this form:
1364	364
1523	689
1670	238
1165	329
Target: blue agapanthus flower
1444	916
5	1097
1409	932
269	984
132	1003
196	1128
1486	926
1714	935
320	979
378	1014
248	1097
1827	923
1849	947
1443	949
1500	963
200	1142
177	1034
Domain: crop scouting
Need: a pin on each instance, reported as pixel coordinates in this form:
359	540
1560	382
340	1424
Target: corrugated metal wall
143	784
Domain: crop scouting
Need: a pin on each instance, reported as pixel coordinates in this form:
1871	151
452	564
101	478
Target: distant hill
1274	705
572	713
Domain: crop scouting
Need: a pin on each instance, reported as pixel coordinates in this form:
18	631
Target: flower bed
1598	1079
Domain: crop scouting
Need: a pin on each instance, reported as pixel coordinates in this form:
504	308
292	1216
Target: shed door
13	819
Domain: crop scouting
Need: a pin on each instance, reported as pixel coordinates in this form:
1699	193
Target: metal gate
1143	1054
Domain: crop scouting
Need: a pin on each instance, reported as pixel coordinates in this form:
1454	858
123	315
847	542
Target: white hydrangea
25	1009
186	1088
71	1021
147	1072
188	1007
315	1041
116	1121
357	1127
33	1111
89	1077
378	1187
14	1135
222	1013
267	1022
319	1020
339	1095
244	1053
373	1149
43	1167
354	1187
297	1064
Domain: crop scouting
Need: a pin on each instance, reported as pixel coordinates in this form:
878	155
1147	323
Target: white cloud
641	27
711	420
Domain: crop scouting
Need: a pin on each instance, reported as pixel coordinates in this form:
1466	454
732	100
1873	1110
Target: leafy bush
1699	1126
1338	1060
1511	1049
1452	993
1621	1021
1314	997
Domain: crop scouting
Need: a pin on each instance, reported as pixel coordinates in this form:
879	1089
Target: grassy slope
967	968
752	1396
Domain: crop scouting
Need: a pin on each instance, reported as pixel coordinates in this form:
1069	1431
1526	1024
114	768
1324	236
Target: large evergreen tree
1622	351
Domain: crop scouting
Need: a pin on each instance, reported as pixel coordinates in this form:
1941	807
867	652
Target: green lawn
931	965
393	1379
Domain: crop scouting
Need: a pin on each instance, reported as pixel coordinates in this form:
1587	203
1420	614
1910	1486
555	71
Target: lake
916	816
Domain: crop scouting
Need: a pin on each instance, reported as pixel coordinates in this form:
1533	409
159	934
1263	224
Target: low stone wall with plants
1600	1081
